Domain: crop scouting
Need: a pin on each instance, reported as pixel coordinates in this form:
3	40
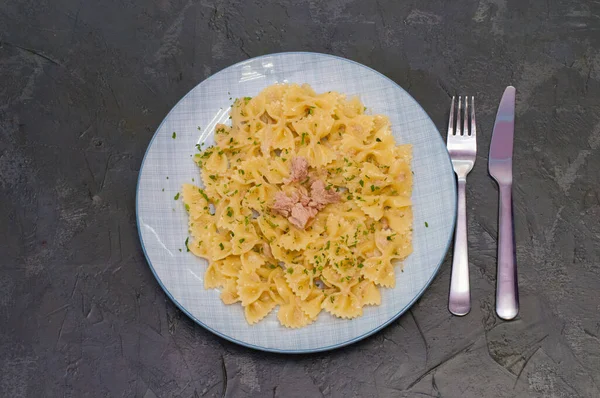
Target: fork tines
462	117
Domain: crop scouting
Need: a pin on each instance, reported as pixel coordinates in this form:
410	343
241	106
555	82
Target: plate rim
277	350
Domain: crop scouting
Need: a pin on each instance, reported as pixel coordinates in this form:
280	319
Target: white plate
162	221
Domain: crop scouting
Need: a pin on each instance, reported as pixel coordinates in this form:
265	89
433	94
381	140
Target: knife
500	168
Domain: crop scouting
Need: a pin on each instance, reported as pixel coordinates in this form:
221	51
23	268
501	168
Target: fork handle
459	302
507	294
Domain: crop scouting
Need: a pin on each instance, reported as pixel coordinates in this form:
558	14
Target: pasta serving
305	205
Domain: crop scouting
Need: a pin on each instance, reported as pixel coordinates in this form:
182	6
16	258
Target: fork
462	147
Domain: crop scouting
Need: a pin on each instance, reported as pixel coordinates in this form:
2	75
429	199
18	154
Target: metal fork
462	146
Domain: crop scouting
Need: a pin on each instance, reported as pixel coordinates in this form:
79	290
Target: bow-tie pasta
304	205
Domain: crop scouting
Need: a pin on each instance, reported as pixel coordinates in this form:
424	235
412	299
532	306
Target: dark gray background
83	86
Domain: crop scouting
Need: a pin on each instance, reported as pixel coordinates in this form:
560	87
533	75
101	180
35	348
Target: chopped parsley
186	244
212	177
361	265
242	240
187	207
303	135
426	224
378	139
362	183
174	135
247	99
290	271
229	212
201	191
176	197
221	246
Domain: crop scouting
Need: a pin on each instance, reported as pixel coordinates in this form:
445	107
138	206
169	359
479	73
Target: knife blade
500	168
501	148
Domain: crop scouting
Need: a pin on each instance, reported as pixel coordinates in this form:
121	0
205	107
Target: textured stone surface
83	86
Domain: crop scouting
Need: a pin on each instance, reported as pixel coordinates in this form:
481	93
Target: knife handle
507	294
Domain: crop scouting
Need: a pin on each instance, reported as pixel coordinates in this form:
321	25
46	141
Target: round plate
162	221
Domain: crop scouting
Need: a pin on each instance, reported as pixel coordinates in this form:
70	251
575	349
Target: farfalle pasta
304	206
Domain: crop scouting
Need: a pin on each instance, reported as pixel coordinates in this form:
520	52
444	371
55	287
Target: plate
162	221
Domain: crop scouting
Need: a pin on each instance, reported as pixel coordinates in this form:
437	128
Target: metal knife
500	168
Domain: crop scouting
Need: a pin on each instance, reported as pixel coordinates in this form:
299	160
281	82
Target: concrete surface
84	85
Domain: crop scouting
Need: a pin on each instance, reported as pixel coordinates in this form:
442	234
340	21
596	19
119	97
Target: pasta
305	205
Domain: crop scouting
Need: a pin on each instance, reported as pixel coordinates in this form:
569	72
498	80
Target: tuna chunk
321	197
301	215
267	250
283	204
300	208
299	170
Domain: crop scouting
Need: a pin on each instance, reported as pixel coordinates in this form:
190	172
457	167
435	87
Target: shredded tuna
322	196
283	204
266	118
301	215
384	223
267	250
300	208
299	170
300	195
